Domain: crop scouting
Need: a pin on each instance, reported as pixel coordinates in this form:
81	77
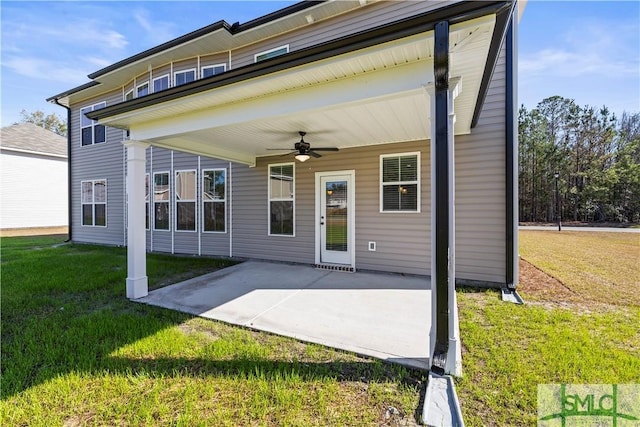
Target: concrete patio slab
386	316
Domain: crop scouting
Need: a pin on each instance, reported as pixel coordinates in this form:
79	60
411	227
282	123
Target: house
33	178
374	135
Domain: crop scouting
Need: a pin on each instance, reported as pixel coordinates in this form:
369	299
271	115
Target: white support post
137	282
453	364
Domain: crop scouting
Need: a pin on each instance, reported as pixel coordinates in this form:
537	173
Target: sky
588	51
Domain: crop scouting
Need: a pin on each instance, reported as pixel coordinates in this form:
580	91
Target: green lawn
76	352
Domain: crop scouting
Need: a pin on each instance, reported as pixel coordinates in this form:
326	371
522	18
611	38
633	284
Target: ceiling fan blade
326	148
279	149
314	154
288	154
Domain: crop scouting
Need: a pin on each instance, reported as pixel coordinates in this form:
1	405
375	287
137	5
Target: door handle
321	220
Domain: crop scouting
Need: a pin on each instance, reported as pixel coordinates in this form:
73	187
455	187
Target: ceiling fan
303	150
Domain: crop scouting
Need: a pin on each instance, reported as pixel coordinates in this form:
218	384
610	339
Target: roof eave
454	13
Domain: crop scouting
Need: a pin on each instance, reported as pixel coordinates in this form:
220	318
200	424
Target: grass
76	352
583	329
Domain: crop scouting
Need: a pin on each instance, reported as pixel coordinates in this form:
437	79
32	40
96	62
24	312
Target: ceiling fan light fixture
302	157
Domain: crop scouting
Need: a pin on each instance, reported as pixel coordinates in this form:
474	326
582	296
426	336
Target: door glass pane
336	216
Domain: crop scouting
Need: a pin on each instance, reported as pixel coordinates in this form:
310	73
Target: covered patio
385	316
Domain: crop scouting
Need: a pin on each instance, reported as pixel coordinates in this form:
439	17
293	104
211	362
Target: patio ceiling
370	96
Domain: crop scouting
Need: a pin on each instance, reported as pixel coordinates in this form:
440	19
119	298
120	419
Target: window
142	90
212	70
94	203
214	196
91	131
185	190
146	201
161	201
281	199
129	95
400	179
271	53
161	83
182	77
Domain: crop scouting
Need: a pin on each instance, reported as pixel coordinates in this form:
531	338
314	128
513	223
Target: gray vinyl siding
361	19
480	190
402	238
99	161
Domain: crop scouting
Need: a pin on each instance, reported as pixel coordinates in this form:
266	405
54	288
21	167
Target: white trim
194	200
153	82
269	200
36	153
125	219
93	203
175	73
198	67
151	211
148	178
153	227
214	201
351	215
229	196
224	66
130	91
418	182
230	59
142	85
198	197
173	237
266	52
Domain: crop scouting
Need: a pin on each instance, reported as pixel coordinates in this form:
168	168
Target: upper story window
142	90
161	83
400	182
271	53
91	131
182	77
281	199
212	70
129	95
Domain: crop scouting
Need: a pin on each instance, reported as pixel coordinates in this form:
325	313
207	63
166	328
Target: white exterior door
335	193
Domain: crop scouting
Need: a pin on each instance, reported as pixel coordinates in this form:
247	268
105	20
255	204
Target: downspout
69	202
511	141
441	75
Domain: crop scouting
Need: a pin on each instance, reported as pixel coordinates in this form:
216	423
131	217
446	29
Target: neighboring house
384	82
33	178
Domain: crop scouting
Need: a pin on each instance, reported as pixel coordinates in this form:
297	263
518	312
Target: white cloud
587	48
38	68
156	32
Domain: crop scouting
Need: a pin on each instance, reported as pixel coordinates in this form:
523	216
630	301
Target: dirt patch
38	231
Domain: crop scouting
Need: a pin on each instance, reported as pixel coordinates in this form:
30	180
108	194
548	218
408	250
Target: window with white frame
94	203
281	199
212	70
129	95
91	132
400	182
271	53
161	201
142	90
161	83
185	191
146	201
214	198
183	77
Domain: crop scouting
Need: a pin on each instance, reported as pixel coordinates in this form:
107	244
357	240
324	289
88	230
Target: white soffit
371	96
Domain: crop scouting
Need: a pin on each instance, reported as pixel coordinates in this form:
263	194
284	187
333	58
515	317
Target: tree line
595	156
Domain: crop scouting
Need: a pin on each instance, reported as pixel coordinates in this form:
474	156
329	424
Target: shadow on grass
64	311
